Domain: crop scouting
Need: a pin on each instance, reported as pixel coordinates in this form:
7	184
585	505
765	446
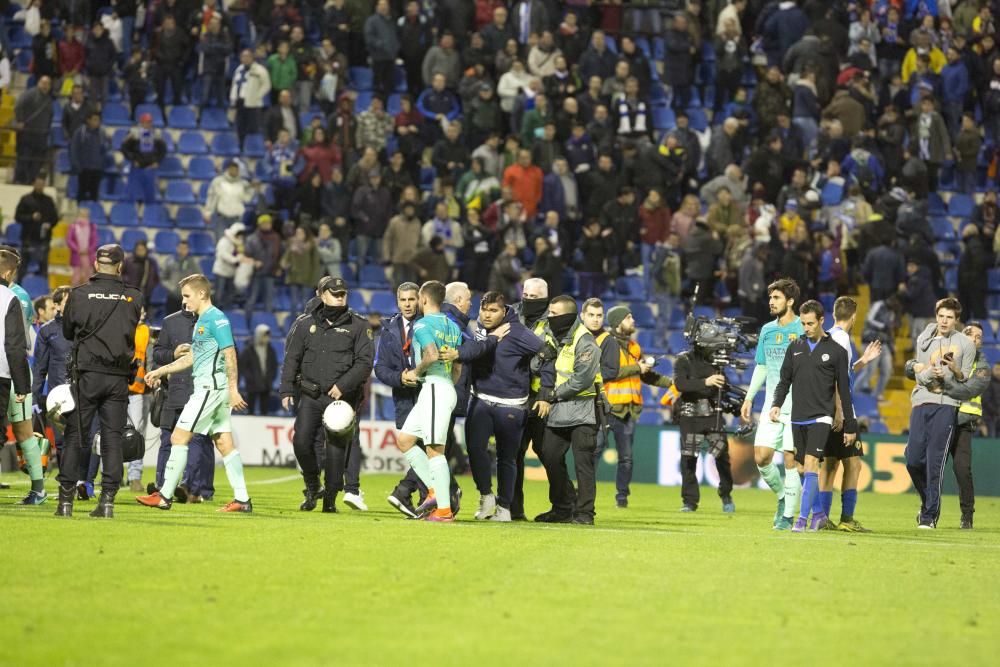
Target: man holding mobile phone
945	357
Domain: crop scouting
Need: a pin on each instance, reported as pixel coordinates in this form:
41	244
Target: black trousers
411	483
534	434
105	396
384	76
311	438
961	460
257	402
564	498
692	427
175	75
89	181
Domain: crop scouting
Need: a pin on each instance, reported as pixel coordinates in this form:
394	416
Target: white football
60	399
338	417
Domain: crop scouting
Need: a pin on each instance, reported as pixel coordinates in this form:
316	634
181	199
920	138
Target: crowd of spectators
679	144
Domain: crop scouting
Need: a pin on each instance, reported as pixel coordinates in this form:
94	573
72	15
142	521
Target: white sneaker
487	507
356	501
503	514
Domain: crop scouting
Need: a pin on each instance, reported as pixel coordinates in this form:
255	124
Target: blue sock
825	501
848	501
810	487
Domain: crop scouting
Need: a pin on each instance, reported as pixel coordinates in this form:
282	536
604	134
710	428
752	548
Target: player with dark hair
773	341
815	372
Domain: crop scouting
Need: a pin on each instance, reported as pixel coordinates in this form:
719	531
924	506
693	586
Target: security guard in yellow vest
573	418
970	413
139	403
624	394
533	311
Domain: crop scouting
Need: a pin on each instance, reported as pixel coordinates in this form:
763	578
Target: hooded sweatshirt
227	251
930	349
506	374
228	196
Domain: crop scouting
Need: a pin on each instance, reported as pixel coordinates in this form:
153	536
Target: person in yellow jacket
139	402
624	393
922	46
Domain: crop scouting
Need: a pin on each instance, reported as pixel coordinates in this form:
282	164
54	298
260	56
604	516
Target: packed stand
641	151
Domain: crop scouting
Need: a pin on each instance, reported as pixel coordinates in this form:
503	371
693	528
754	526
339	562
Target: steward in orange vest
625	393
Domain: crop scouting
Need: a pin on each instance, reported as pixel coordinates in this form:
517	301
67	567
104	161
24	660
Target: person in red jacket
525	182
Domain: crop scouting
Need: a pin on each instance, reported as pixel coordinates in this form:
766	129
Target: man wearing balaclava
572	419
534	313
329	355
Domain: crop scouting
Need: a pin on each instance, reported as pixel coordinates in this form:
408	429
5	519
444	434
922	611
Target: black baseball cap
111	253
331	284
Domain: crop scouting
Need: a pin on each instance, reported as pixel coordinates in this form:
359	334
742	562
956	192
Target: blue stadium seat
12	235
63	165
192	143
427	176
393	105
704	311
116	115
866	405
643	316
97	215
362	78
58	137
697	119
363	101
935	205
189	217
347	273
214	119
663	118
124	214
171	167
833	193
201	243
105	236
647	341
166	241
182	118
372	276
630	288
961	206
226	144
676	342
206	264
158	299
943	229
992	354
253	146
153	110
202	169
356	301
878	427
24	60
132	236
650	417
383	302
112	189
179	192
117	137
238	321
155	215
951	279
35	286
993	280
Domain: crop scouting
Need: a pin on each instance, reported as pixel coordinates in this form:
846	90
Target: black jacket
328	353
100	320
31	229
51	359
816	376
690	372
258	380
177	330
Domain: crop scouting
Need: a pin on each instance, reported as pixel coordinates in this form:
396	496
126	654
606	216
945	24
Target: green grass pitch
645	586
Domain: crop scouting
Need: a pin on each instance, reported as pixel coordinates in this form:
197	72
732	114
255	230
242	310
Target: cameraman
699	382
329	358
99	320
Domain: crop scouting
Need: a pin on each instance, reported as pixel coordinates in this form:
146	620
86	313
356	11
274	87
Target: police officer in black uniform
99	320
698	382
328	356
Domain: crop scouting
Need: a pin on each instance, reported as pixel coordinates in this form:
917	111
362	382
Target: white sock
442	481
234	471
417	459
793	489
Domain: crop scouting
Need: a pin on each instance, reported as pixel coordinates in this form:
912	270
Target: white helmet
60	400
338	417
